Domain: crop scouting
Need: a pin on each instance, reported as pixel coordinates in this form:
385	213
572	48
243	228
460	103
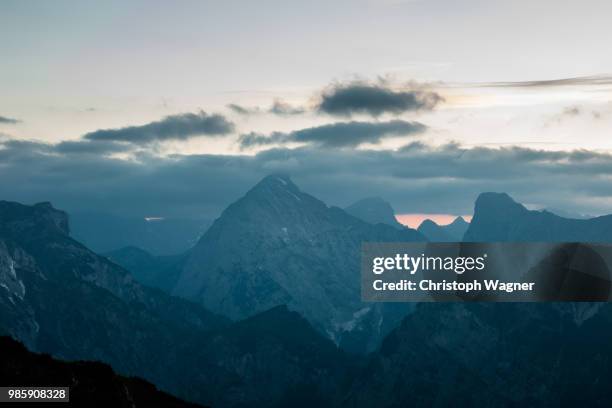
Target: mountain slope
155	271
374	210
58	297
273	359
490	355
278	245
457	228
497	217
91	384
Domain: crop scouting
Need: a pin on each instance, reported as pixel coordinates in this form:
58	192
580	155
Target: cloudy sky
149	108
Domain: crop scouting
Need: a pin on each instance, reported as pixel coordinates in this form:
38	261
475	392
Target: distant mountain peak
374	210
498	218
278	245
276	181
459	221
276	187
497	201
452	232
427	222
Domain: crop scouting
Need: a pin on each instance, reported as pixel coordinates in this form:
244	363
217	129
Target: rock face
497	217
278	245
452	232
58	297
374	210
91	384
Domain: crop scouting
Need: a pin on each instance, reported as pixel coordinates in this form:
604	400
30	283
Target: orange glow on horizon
414	220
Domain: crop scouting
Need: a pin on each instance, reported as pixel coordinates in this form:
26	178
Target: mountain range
277	335
58	297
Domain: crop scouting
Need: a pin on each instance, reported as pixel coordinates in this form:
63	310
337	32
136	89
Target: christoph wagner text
466	287
413	264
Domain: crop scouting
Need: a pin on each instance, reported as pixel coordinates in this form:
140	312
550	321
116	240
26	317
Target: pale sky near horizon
70	68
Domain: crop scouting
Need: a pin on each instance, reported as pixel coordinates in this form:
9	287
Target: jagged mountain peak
274	184
497	217
277	203
497	201
427	223
459	221
435	232
374	210
278	245
452	232
276	179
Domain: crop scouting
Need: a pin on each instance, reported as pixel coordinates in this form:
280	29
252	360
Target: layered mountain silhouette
374	210
58	297
279	245
452	232
275	246
498	354
497	217
91	384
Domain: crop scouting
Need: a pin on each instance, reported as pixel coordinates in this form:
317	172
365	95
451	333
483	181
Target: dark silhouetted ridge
41	218
91	384
498	218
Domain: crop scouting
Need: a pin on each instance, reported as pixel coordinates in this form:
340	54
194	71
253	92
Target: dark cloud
175	127
374	100
91	147
584	80
32	149
257	139
279	107
344	134
9	121
416	179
